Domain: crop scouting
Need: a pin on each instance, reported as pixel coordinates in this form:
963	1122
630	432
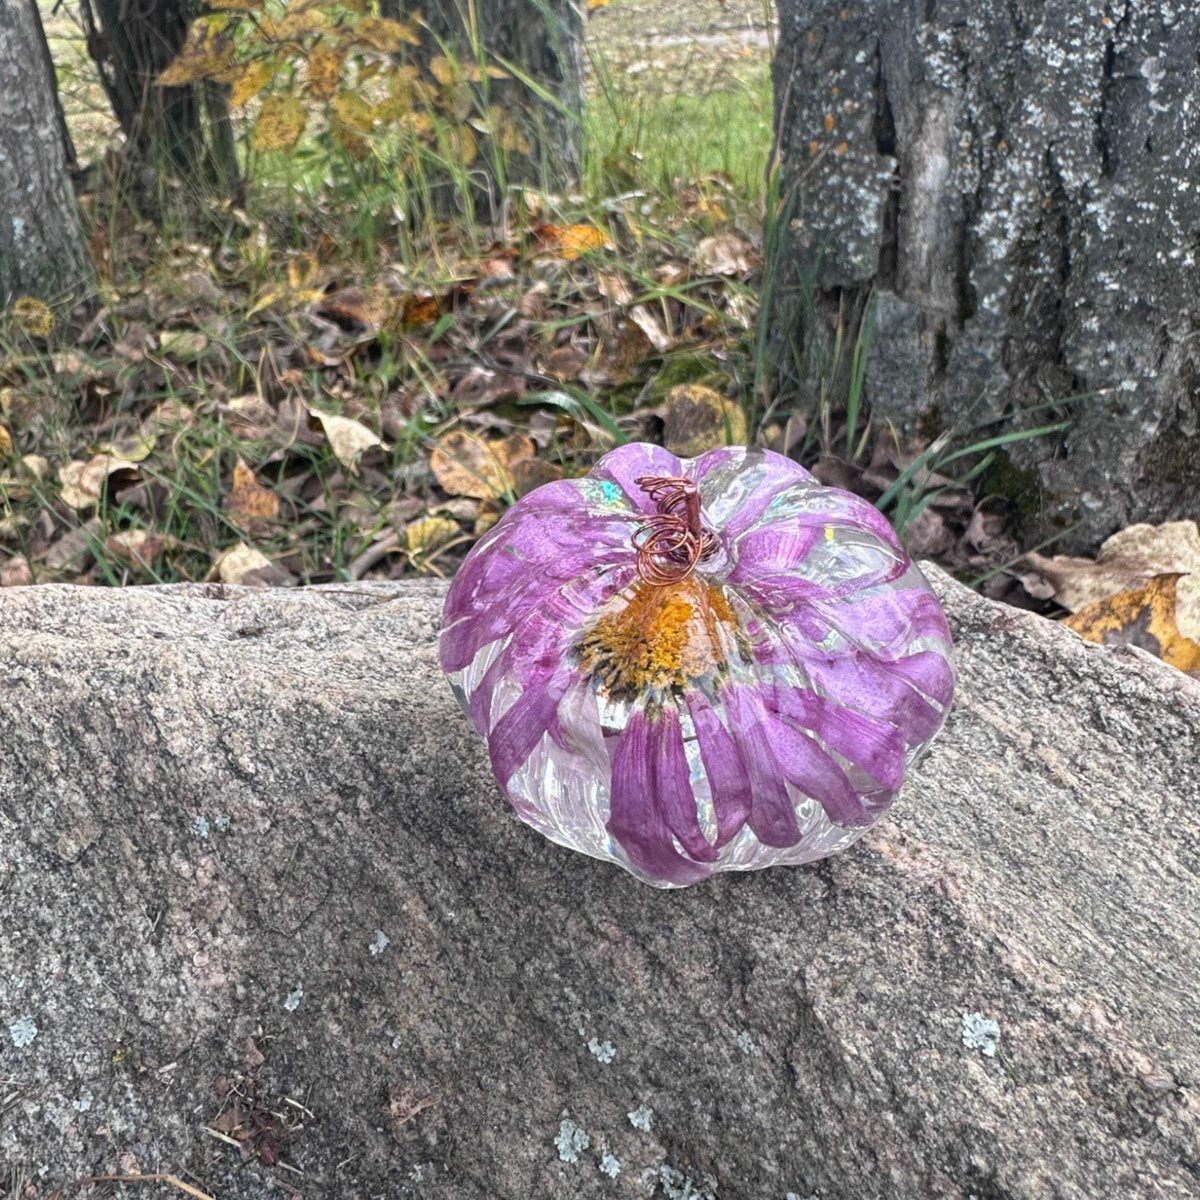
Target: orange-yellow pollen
660	636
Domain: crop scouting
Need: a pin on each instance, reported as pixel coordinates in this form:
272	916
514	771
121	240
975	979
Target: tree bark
543	39
42	248
166	126
1017	182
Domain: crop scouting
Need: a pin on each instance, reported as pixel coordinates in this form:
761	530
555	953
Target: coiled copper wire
673	540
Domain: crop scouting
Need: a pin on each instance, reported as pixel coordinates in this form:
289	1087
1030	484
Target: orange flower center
660	636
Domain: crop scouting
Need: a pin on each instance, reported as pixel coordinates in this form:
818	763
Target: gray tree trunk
256	877
42	249
181	130
543	39
1018	182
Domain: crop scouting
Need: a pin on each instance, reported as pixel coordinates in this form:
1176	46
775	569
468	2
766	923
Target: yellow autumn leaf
302	270
594	4
504	131
252	77
280	123
213	23
236	5
427	534
386	35
464	464
203	56
417	124
1145	617
572	241
449	71
401	82
6	442
324	66
352	118
460	144
32	316
443	70
248	503
300	19
698	419
351	109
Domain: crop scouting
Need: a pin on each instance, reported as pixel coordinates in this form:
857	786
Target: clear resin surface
697	665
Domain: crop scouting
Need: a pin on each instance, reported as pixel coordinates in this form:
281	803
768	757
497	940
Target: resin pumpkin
697	665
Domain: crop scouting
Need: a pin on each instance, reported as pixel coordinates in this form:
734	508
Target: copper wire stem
673	540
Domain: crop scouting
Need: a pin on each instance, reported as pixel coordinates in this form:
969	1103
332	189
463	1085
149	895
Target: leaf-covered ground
302	388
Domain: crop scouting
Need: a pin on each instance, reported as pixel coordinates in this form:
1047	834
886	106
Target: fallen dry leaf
248	503
531	473
15	572
726	254
249	418
480	386
1145	617
570	242
134	449
33	316
464	464
488	514
241	563
698	419
427	534
347	438
138	547
74	551
419	310
650	324
1125	562
6	442
83	483
184	345
355	308
19	485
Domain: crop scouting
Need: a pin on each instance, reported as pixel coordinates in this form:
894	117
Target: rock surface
251	855
1018	184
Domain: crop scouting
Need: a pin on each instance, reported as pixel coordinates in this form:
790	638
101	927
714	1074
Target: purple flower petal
673	785
927	670
549	588
809	769
772	813
523	725
843	508
890	617
760	476
778	589
624	465
874	745
634	820
860	680
777	548
727	778
773	751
